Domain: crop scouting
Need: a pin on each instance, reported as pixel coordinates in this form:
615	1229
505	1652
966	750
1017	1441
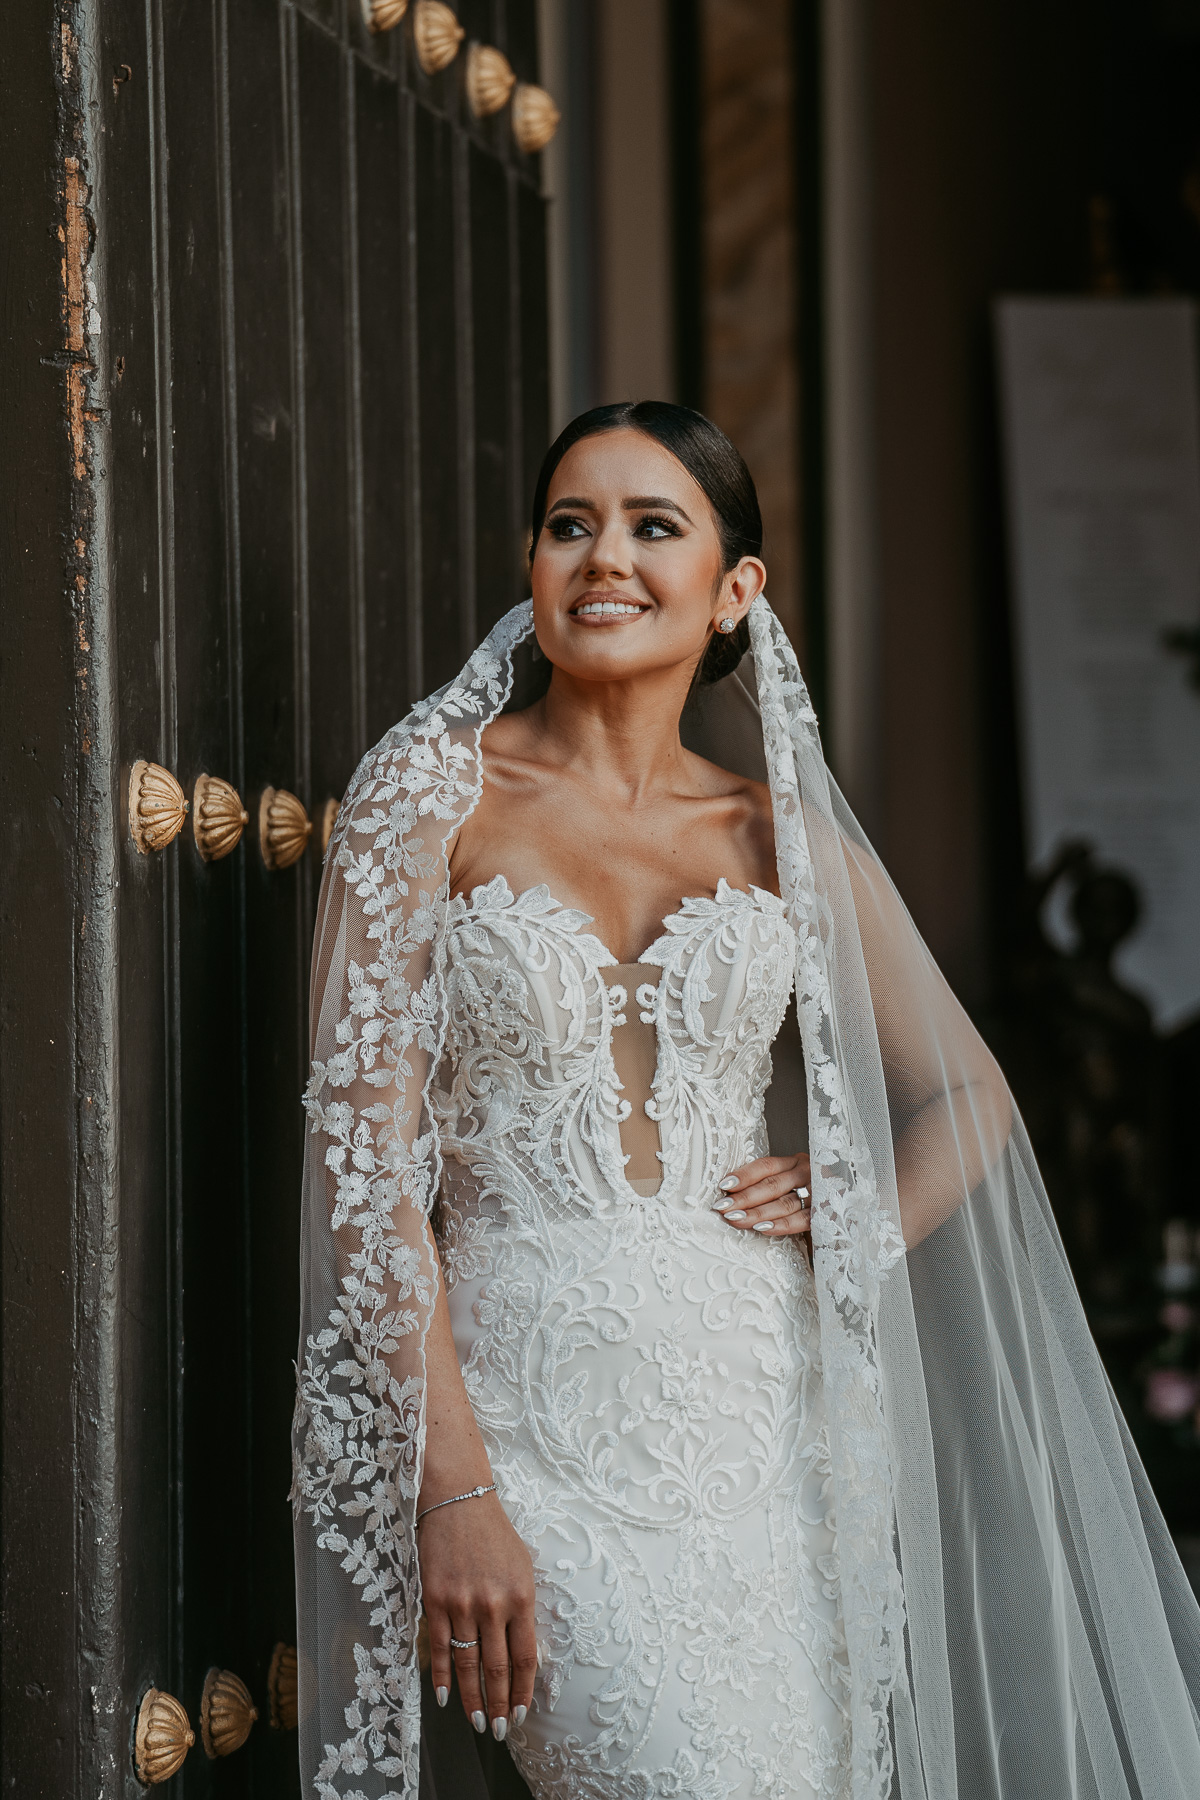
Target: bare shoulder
711	778
745	808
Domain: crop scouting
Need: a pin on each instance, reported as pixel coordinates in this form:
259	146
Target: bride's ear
747	581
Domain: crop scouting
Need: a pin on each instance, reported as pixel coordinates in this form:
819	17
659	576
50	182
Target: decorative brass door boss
158	810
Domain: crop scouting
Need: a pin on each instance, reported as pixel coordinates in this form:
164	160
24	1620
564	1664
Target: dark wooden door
275	308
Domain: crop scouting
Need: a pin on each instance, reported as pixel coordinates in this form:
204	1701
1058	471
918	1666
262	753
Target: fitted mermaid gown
646	1378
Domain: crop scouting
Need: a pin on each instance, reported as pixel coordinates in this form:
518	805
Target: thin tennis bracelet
471	1494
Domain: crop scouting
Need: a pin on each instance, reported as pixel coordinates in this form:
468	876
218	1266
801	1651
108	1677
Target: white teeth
612	608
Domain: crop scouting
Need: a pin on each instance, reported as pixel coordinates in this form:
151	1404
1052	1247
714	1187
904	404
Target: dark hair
712	462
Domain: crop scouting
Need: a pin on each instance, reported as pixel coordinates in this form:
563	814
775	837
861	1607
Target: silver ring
464	1643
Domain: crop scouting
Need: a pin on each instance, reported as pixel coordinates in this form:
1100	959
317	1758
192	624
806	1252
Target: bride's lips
607	609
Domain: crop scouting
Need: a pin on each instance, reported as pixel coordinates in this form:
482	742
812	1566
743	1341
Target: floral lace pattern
855	1241
359	1425
648	1382
382	1009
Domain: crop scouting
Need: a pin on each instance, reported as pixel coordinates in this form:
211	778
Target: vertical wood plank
410	341
212	1301
355	475
383	335
328	372
441	517
127	230
464	389
168	741
491	319
260	66
520	39
532	313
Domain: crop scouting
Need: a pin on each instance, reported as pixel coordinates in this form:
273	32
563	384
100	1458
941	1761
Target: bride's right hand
477	1583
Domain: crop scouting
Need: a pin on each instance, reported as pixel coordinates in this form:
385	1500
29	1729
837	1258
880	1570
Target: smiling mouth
604	610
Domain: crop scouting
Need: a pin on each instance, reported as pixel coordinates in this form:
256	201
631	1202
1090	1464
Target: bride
690	1509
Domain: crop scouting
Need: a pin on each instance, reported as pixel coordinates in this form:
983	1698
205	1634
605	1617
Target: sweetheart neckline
725	892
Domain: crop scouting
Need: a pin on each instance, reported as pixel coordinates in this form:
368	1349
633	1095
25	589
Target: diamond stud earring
727	625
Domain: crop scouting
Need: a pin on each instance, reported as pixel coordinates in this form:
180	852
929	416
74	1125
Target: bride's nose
610	550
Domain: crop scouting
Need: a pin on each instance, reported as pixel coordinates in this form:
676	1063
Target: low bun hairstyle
714	465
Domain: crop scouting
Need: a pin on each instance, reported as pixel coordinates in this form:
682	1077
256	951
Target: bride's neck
626	732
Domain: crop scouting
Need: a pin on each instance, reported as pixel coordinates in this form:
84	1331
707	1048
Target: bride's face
627	571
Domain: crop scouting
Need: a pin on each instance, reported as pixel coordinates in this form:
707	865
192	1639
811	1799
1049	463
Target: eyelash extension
559	525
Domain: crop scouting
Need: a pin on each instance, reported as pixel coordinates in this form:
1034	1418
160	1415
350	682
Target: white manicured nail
442	1695
722	1205
519	1713
479	1722
499	1730
766	1225
727	1186
735	1215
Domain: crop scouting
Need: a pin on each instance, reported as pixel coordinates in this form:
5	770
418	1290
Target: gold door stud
162	1738
218	817
157	806
284	828
226	1713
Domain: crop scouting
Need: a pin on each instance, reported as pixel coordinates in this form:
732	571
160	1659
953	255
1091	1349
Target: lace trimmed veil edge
1018	1624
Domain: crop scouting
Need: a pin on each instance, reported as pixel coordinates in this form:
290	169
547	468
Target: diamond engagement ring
464	1643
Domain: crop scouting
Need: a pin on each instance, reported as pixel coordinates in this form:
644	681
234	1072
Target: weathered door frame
100	1234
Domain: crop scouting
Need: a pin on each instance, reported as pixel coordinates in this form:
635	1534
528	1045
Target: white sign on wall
1103	464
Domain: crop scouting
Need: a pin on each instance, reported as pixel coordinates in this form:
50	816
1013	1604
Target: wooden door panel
322	395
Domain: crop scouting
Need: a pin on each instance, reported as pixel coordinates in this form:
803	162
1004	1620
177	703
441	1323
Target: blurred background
296	294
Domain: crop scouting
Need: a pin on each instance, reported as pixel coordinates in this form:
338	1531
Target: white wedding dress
681	1415
647	1379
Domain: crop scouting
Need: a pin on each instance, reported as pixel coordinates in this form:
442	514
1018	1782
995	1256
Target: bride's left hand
770	1195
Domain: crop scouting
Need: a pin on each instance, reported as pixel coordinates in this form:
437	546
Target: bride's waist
581	1170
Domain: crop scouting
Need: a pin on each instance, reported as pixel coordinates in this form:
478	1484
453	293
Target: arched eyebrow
639	503
642	502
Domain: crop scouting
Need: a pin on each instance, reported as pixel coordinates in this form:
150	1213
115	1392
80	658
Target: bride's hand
477	1582
768	1195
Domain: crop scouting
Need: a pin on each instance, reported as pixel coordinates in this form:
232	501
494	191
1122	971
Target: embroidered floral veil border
1017	1621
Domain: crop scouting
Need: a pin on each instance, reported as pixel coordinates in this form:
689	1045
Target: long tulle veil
1018	1624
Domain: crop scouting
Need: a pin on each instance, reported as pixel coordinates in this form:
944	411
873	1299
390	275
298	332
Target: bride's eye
565	528
656	526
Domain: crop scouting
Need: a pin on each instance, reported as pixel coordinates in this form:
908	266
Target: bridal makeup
627	571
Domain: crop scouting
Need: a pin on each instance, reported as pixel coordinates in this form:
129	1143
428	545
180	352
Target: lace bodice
647	1379
533	1008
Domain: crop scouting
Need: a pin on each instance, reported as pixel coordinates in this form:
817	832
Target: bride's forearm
477	1587
455	1457
945	1150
